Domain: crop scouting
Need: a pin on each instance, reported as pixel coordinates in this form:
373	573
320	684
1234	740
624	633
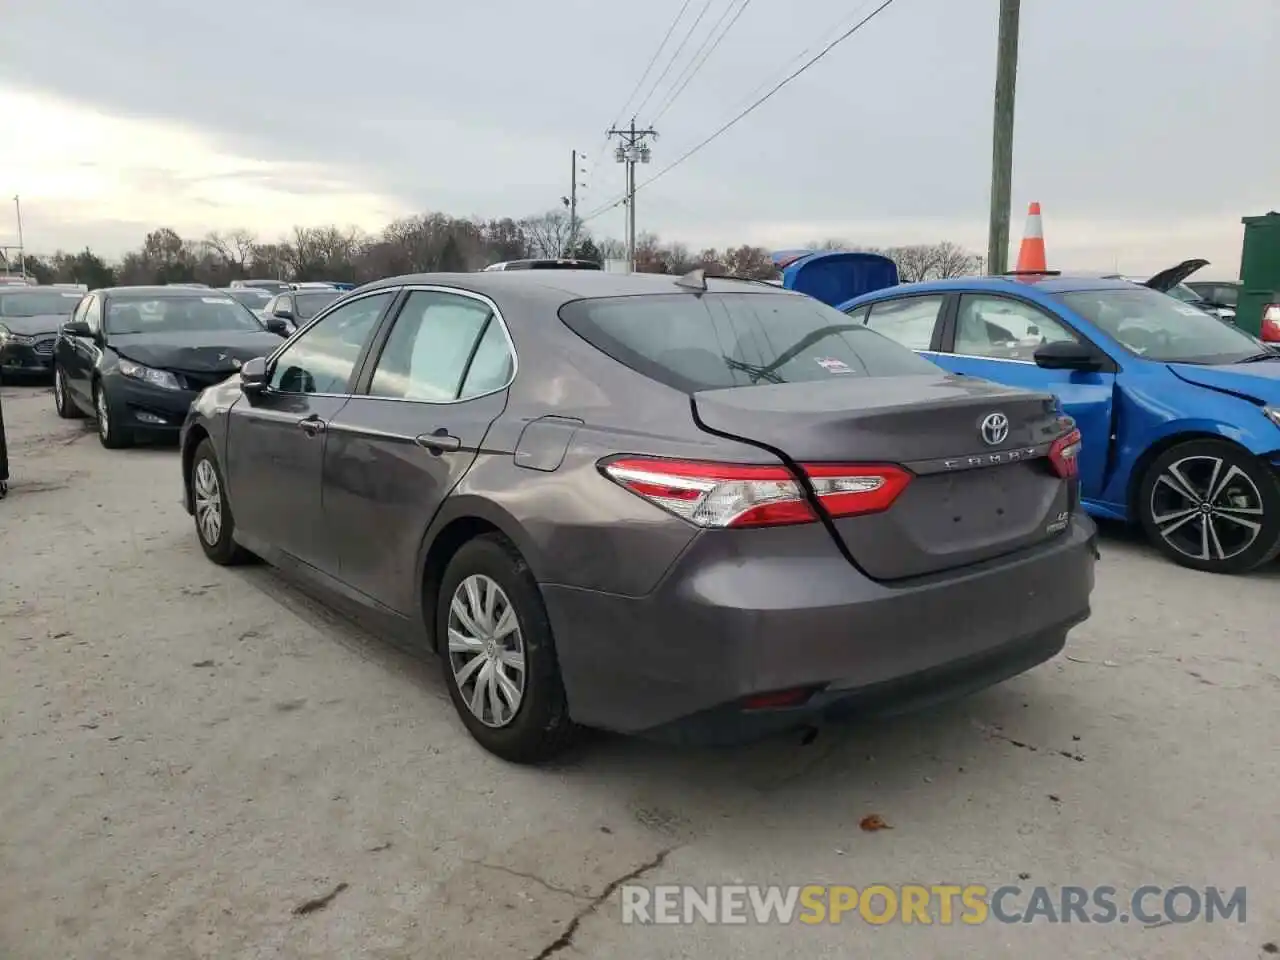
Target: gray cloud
1127	112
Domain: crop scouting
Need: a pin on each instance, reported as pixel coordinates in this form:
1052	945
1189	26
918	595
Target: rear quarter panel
574	526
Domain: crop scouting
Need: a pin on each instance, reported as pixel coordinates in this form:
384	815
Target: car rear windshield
46	303
312	302
720	340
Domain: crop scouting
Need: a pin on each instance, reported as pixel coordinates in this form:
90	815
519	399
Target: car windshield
45	303
1185	294
160	314
1159	327
721	340
312	302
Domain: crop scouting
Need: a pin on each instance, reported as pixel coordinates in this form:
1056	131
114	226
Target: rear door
435	381
276	439
995	337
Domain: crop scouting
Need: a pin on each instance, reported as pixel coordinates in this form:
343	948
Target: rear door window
909	321
721	340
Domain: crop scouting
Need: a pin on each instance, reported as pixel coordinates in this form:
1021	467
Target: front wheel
498	654
1213	506
110	432
62	401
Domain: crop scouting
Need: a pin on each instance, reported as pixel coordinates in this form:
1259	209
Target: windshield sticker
832	365
73	296
216	299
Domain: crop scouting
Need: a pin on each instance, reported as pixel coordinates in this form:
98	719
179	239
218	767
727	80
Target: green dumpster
1259	271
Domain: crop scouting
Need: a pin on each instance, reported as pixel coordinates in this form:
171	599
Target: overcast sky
1145	130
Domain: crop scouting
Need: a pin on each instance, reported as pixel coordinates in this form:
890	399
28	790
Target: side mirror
1067	355
279	325
76	328
284	313
253	375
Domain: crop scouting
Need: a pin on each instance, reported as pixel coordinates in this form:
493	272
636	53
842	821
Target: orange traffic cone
1031	253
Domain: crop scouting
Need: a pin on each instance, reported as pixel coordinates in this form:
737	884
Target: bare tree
933	261
547	234
749	261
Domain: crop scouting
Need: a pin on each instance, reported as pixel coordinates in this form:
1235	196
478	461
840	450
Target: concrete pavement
200	762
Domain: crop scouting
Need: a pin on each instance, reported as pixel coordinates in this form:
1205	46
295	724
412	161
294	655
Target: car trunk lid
837	277
970	499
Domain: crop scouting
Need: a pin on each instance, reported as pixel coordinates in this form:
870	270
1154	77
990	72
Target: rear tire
215	526
1211	505
112	435
62	401
499	655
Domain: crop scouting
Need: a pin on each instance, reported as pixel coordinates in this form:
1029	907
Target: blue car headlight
157	378
1272	414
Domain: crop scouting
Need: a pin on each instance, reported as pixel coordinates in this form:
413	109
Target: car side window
492	366
323	359
1227	296
93	315
859	315
1005	329
431	348
270	308
910	321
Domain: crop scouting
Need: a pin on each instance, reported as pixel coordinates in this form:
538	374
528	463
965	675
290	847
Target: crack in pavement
526	876
566	939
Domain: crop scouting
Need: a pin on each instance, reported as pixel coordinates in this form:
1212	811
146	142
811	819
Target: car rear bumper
727	624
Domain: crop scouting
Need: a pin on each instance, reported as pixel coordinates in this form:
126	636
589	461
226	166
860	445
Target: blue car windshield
1159	327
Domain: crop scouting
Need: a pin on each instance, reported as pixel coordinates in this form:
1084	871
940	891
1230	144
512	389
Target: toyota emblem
994	429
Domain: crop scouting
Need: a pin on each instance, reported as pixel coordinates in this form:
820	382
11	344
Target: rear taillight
1271	323
1065	453
746	495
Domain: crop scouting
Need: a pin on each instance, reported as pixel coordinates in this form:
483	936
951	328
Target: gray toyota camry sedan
702	509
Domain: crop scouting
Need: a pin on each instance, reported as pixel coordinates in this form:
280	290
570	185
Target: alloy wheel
486	650
208	502
1207	508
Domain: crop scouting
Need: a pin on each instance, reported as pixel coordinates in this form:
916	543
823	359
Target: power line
836	25
674	57
604	142
884	5
696	63
652	60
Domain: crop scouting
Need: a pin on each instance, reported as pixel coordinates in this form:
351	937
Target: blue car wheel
1211	505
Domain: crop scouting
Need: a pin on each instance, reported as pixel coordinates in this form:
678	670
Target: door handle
438	441
312	425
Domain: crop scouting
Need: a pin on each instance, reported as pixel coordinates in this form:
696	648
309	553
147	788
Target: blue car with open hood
1179	412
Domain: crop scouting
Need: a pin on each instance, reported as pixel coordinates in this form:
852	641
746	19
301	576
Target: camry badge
994	429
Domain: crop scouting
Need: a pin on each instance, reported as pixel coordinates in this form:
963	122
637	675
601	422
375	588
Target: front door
276	440
995	338
411	432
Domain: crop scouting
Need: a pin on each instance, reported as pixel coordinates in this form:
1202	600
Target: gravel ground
199	762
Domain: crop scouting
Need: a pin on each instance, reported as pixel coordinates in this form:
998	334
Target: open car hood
1167	279
835	278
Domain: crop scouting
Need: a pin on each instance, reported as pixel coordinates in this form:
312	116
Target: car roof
1041	283
568	285
158	291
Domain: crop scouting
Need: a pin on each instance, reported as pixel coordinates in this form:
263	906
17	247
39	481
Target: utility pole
571	201
633	149
1002	138
22	253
